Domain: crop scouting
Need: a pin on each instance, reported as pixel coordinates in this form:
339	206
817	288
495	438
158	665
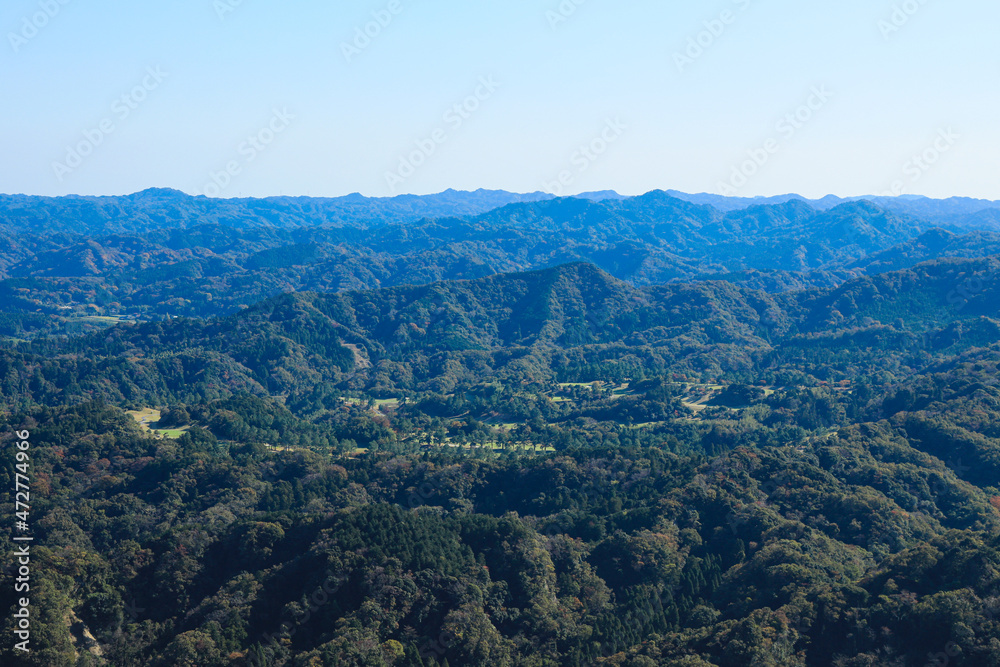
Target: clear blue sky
607	76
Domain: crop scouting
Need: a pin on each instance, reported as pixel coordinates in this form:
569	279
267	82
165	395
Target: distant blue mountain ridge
163	208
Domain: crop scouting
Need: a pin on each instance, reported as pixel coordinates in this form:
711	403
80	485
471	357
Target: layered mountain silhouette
545	323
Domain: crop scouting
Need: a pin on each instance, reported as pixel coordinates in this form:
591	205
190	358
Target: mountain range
164	208
223	256
501	430
557	324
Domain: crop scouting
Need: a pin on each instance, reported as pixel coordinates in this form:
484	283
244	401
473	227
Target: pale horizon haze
257	98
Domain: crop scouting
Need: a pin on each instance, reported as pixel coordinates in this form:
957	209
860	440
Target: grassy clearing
98	319
92	320
145	417
148	418
390	403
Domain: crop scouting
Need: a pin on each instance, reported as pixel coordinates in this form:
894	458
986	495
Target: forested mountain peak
158	193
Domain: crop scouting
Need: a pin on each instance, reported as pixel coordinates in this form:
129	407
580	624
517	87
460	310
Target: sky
254	98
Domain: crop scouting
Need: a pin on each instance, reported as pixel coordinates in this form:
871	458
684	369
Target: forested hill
953	210
68	281
568	323
164	208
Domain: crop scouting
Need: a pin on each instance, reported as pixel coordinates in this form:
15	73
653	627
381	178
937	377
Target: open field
379	402
82	321
147	418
